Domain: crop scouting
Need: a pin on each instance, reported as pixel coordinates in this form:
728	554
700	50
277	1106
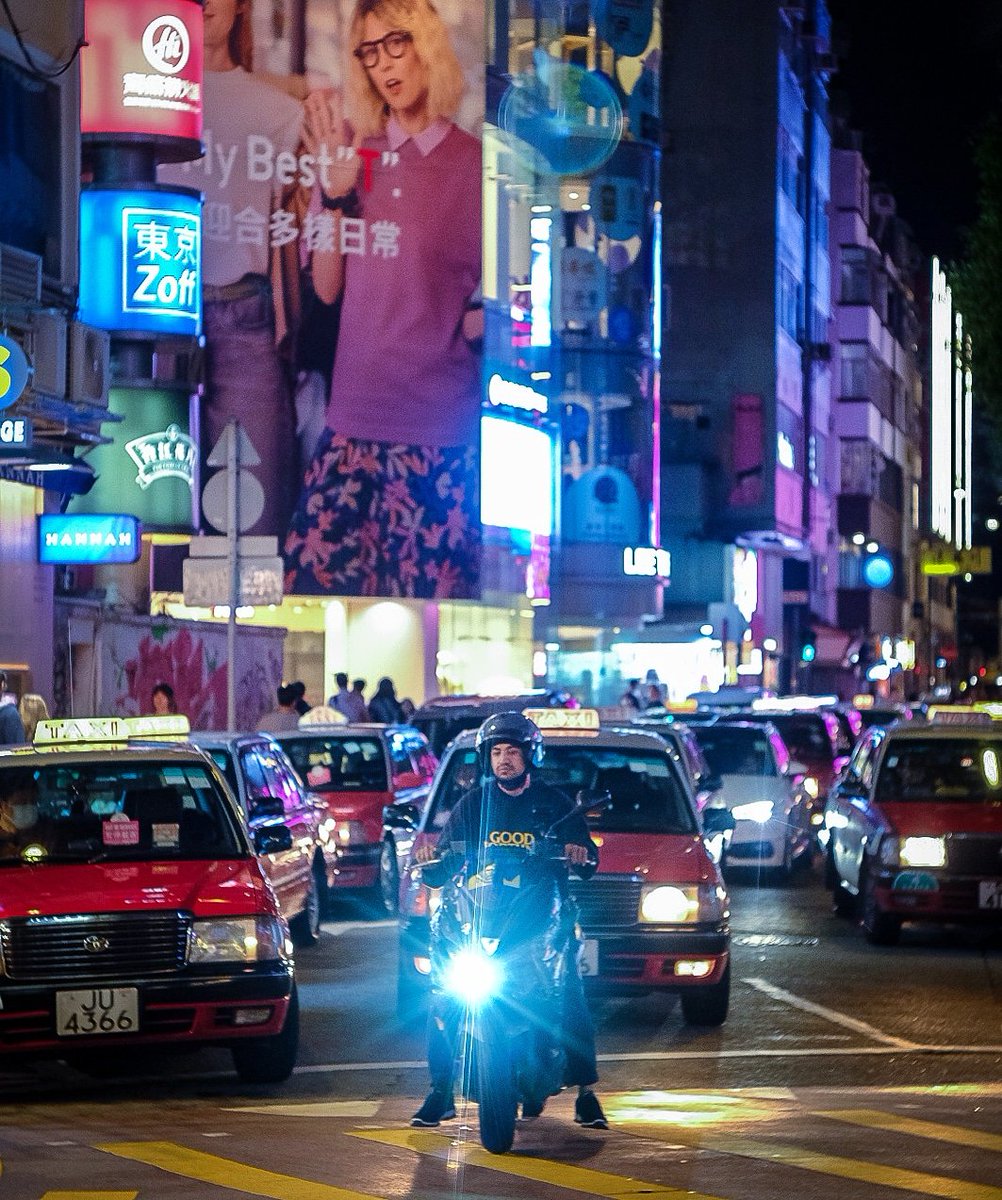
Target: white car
764	790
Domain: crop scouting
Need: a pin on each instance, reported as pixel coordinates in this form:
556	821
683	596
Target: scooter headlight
472	976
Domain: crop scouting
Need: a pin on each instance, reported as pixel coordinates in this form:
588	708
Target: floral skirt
379	519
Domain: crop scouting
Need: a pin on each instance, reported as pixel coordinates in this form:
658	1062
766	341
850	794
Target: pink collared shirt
402	370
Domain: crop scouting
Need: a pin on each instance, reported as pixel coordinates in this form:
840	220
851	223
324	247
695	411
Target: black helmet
514	728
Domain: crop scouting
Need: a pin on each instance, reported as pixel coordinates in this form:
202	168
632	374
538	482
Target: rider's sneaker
588	1112
438	1106
531	1109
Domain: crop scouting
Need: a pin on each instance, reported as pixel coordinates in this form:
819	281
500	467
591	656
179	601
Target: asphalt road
843	1071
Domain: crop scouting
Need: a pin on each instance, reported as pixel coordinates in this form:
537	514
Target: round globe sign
14	371
878	571
562	119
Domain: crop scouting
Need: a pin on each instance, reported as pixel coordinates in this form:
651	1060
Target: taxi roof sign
962	714
564	718
108	730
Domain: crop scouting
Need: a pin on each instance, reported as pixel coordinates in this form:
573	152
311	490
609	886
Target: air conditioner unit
89	364
48	353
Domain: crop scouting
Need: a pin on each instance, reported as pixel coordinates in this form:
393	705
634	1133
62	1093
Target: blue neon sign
91	538
878	571
141	260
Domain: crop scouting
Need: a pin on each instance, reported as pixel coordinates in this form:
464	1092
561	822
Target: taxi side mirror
272	839
401	816
717	820
593	800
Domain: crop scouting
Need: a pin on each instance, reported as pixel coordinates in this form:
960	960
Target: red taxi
914	827
656	915
134	909
360	770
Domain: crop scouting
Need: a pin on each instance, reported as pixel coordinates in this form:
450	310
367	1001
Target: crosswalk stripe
958	1134
830	1164
227	1172
557	1174
90	1196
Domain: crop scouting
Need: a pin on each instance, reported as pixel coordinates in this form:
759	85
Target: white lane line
830	1014
339	928
673	1055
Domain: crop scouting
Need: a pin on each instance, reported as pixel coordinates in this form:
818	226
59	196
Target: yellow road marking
830	1164
226	1172
90	1196
871	1119
557	1174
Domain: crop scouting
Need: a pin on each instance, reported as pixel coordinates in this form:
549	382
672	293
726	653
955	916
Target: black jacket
486	815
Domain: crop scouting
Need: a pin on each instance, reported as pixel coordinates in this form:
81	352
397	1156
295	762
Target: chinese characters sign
141	69
142	269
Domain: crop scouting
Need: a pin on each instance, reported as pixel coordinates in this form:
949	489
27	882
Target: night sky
918	79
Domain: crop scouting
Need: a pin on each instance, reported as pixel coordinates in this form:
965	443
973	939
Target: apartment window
854	357
855	276
789	291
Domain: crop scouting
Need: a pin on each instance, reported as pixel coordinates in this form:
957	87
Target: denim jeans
245	381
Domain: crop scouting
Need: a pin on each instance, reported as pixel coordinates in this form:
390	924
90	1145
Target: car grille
974	854
607	901
41	949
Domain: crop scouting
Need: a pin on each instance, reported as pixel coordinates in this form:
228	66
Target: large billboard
341	301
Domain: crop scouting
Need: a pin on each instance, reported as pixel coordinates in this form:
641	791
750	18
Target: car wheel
270	1059
305	926
412	992
784	871
881	928
389	877
843	901
708	1005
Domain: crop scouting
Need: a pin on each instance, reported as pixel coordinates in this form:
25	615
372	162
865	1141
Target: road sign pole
233	564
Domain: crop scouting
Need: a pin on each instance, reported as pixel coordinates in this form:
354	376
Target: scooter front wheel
497	1094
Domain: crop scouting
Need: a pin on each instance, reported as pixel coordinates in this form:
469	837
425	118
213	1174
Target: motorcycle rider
510	799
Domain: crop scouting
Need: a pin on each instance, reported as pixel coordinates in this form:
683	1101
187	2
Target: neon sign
94	538
647	560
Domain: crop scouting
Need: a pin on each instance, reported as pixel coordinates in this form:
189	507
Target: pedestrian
162	700
11	725
302	705
283	717
358	687
407	708
384	705
32	709
632	697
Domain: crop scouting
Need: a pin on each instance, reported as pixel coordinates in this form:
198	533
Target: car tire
784	872
305	926
708	1005
389	877
412	994
843	901
270	1059
880	928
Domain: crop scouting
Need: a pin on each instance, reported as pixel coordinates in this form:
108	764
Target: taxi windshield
111	810
730	750
647	795
951	770
338	764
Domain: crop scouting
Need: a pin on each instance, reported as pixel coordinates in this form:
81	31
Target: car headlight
923	852
668	904
811	787
472	976
759	810
238	940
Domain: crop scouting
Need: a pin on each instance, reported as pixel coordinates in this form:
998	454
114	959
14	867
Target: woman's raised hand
325	128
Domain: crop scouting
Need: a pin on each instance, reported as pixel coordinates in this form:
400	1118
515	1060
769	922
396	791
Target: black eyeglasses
394	43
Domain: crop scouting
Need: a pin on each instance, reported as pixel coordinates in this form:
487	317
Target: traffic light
808	646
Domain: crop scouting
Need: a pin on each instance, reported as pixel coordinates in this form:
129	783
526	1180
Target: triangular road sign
247	456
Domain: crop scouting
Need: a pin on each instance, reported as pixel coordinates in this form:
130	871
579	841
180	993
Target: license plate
97	1011
990	894
589	957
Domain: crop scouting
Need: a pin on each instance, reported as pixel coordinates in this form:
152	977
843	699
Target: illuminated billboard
364	200
941	422
150	470
141	72
141	260
516	485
